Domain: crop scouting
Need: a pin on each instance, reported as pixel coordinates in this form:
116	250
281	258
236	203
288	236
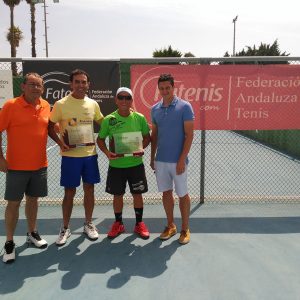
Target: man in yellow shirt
75	114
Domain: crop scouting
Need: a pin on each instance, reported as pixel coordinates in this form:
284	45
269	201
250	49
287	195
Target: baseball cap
124	89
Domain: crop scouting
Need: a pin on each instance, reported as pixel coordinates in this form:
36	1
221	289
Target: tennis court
244	243
237	251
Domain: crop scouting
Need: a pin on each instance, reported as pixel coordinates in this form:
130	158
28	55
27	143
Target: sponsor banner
6	86
104	77
227	97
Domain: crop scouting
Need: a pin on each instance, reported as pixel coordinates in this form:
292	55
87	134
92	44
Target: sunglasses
128	98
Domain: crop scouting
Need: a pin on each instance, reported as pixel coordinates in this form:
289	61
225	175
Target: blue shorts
73	168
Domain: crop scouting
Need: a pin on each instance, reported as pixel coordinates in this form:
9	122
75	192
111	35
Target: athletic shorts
75	168
30	183
118	177
166	177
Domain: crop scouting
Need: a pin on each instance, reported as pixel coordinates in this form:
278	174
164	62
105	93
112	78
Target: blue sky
135	28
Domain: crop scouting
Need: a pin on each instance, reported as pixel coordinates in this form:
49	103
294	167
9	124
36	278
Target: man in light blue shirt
171	140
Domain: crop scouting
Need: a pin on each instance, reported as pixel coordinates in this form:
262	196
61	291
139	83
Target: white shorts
166	176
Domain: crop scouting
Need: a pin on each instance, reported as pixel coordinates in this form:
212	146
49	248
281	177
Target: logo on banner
6	86
56	85
208	97
104	79
146	89
227	97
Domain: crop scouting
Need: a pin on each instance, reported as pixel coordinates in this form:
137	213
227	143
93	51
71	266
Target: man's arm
52	133
102	146
146	140
98	117
99	121
3	162
153	145
189	135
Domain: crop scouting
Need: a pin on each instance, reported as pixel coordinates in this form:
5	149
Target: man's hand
111	155
152	164
180	167
3	165
64	147
138	153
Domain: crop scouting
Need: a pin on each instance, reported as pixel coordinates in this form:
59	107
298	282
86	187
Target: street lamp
46	28
45	21
234	21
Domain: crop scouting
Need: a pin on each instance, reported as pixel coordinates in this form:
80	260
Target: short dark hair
32	74
166	77
79	72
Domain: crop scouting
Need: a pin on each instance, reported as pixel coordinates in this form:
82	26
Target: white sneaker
34	238
64	234
91	231
9	255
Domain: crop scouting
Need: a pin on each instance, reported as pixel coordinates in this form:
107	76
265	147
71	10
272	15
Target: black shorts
118	177
30	183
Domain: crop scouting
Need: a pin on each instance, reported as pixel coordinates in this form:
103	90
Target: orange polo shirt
27	130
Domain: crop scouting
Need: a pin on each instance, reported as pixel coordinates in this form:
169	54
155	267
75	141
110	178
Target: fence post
202	166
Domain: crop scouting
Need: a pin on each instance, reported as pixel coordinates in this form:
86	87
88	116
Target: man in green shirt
128	133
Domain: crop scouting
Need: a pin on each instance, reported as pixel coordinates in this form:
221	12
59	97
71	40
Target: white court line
51	147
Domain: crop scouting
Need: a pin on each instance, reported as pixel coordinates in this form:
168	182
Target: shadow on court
228	244
125	257
149	261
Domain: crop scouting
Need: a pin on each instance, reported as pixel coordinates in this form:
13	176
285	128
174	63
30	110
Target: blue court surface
237	251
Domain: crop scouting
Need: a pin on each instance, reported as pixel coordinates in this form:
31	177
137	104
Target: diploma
128	143
79	135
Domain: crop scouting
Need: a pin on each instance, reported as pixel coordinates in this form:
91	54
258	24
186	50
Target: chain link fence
225	166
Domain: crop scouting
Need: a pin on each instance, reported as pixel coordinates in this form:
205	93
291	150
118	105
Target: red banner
227	97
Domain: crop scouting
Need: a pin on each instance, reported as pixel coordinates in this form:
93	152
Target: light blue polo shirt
170	128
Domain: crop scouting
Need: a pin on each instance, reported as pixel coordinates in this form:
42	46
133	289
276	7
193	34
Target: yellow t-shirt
75	118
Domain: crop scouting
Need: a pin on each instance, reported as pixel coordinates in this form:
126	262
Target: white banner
6	86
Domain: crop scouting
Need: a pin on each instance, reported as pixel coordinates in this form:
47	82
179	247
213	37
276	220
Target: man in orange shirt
25	120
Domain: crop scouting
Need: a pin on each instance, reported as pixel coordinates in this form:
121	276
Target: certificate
128	142
79	135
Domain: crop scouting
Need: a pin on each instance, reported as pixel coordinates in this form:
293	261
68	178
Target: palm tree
13	50
14	36
12	4
32	14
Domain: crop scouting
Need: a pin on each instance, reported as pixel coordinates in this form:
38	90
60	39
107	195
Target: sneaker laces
35	235
8	247
167	229
142	226
183	232
115	227
91	226
63	232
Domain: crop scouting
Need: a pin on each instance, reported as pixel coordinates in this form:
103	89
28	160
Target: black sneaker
9	255
34	238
